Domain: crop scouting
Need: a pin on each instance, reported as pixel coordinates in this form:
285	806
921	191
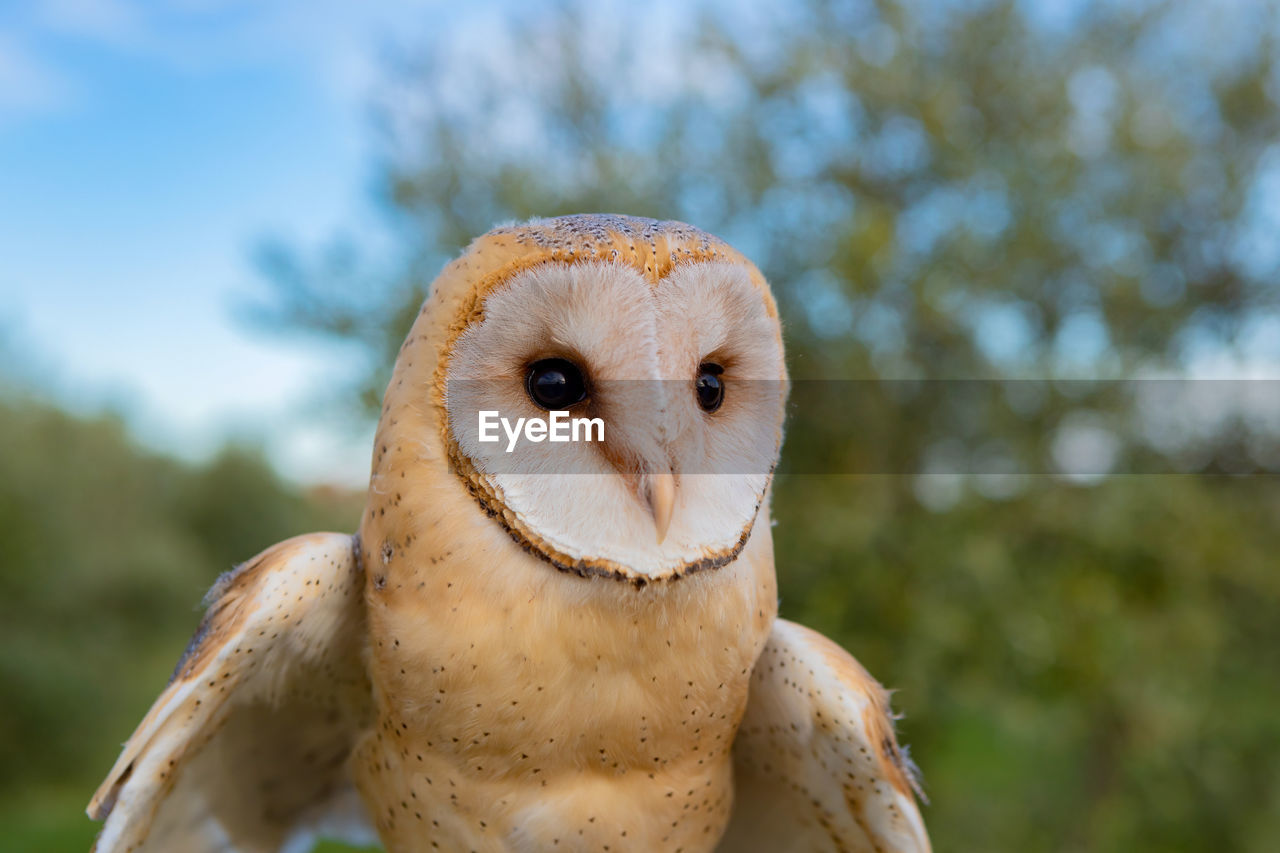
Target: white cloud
28	85
335	43
187	374
111	21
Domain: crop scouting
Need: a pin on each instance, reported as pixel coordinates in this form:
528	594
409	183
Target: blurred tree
951	191
105	553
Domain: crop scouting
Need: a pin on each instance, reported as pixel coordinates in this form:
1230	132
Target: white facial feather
584	499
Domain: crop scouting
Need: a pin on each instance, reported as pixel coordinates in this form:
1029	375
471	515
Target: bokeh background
217	219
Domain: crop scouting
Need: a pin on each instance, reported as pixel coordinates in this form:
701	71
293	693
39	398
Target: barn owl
542	646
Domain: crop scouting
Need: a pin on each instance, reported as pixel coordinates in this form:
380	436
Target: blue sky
145	149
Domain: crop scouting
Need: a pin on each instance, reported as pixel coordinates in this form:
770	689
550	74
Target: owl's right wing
247	747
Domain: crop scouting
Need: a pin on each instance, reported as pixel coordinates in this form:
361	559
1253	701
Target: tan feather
817	766
247	746
495	687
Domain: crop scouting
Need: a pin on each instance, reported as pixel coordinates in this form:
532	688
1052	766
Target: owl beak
660	492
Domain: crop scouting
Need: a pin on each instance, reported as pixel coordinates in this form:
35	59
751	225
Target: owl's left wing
816	763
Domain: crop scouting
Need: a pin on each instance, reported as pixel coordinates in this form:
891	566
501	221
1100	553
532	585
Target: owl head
660	340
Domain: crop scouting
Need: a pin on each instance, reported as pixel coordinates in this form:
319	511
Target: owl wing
247	747
816	764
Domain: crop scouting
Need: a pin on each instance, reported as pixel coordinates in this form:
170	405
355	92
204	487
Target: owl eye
709	386
555	384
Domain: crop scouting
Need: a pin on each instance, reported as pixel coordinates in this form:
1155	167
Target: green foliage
105	553
1080	668
932	193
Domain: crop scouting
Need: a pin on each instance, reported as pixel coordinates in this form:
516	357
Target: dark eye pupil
555	384
709	387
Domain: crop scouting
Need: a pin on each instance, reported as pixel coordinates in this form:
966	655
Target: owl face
685	373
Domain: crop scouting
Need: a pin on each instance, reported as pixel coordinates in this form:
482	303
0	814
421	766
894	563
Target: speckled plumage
518	675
